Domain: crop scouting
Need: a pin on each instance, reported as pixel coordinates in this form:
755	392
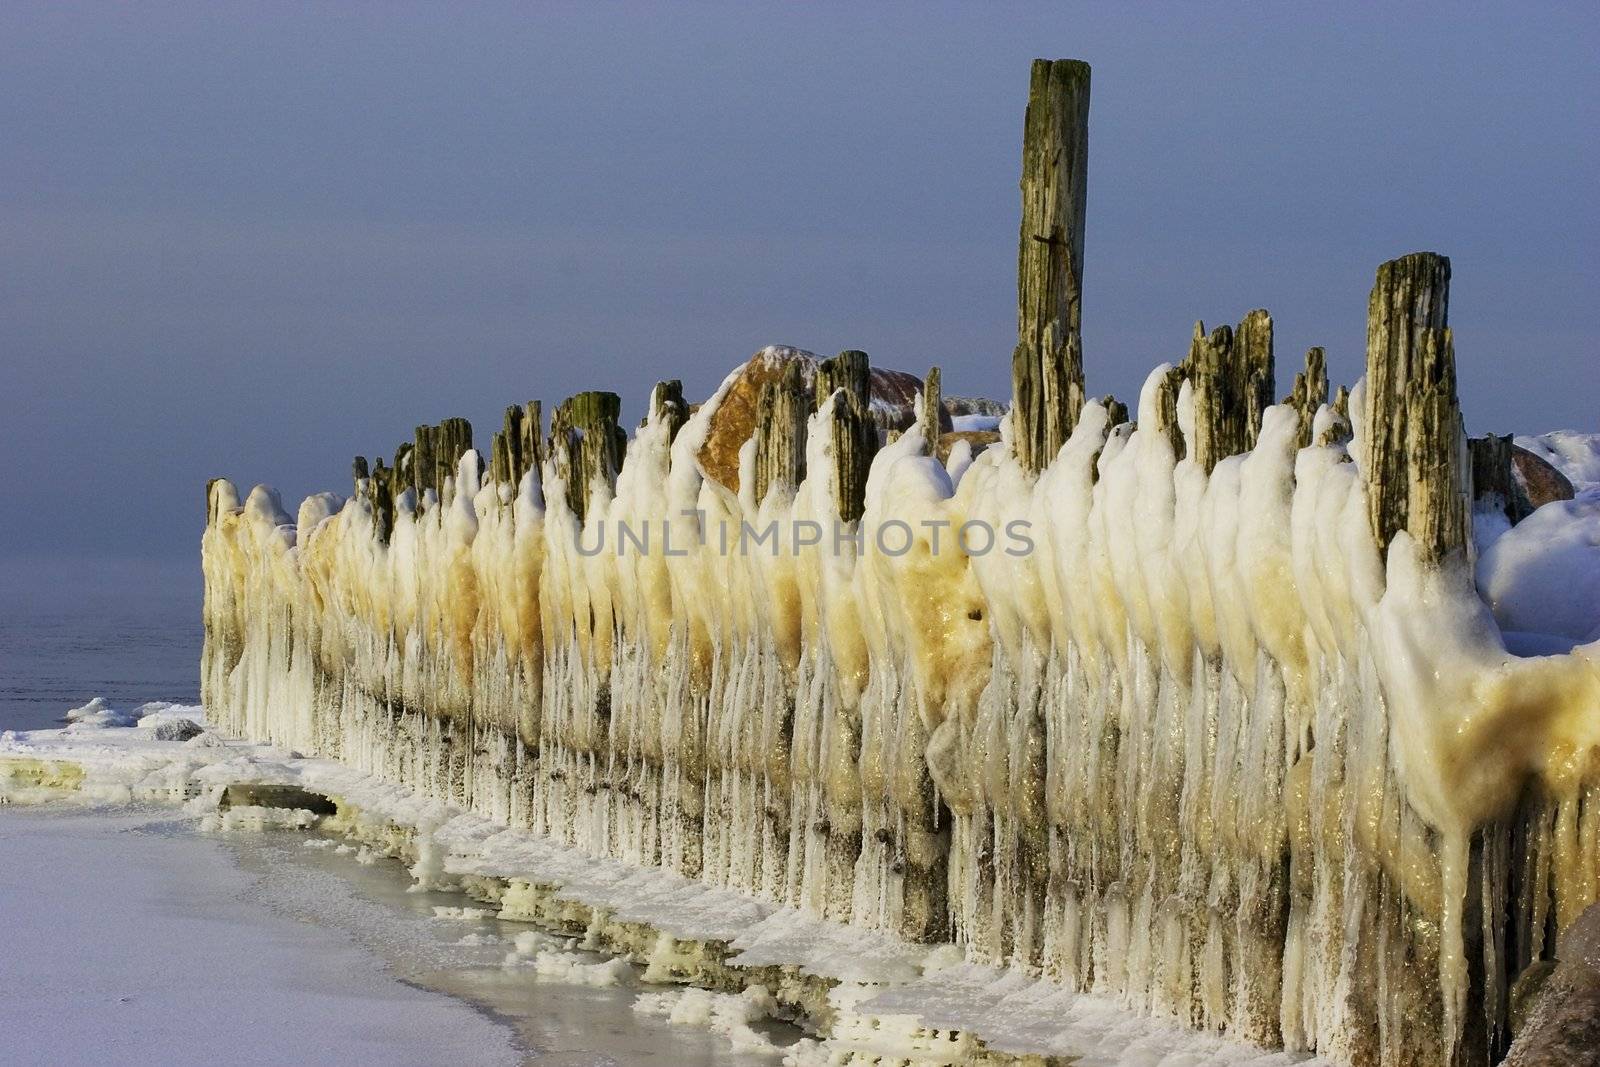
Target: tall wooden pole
1412	439
1047	366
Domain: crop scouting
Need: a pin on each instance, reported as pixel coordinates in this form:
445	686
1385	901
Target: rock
1538	479
975	405
267	795
1562	1029
178	730
1580	943
893	400
1525	992
978	439
1555	1005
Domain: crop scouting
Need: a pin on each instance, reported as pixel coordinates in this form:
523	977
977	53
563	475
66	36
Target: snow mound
575	969
975	423
1542	576
98	715
728	1014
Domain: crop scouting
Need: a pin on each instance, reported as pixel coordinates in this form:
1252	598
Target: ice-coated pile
1201	749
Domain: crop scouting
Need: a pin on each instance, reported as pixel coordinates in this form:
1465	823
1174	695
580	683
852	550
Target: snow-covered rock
1575	455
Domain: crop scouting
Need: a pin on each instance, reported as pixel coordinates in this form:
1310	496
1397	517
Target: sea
127	630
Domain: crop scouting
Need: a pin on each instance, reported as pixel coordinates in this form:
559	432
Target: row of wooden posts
1413	445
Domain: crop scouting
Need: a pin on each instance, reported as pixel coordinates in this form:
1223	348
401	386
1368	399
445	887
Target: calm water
70	630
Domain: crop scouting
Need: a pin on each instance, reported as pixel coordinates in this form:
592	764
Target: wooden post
668	405
930	404
1438	513
587	443
855	436
1252	348
1412	432
453	439
1493	483
530	429
1310	392
1047	366
381	493
782	409
499	458
422	467
1232	376
1165	418
1117	412
404	474
851	371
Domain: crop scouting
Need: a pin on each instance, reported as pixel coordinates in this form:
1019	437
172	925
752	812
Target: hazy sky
254	240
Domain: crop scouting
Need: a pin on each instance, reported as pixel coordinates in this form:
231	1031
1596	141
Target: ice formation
1202	749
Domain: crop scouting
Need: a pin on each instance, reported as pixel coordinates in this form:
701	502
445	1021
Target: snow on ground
163	963
887	991
1542	576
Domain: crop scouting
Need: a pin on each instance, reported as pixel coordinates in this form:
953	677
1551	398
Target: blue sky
254	240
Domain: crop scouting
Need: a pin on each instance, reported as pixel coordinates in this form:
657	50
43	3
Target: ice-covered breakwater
1235	740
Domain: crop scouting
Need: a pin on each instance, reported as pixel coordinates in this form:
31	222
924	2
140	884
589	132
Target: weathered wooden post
499	458
1047	366
530	452
782	409
930	404
1252	347
668	406
1164	419
587	443
846	379
855	436
1310	392
381	492
422	466
1117	412
1412	440
1231	372
402	474
454	437
1493	481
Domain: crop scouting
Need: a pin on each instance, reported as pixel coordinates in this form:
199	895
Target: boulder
1538	479
1556	1008
893	406
978	439
270	795
178	730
